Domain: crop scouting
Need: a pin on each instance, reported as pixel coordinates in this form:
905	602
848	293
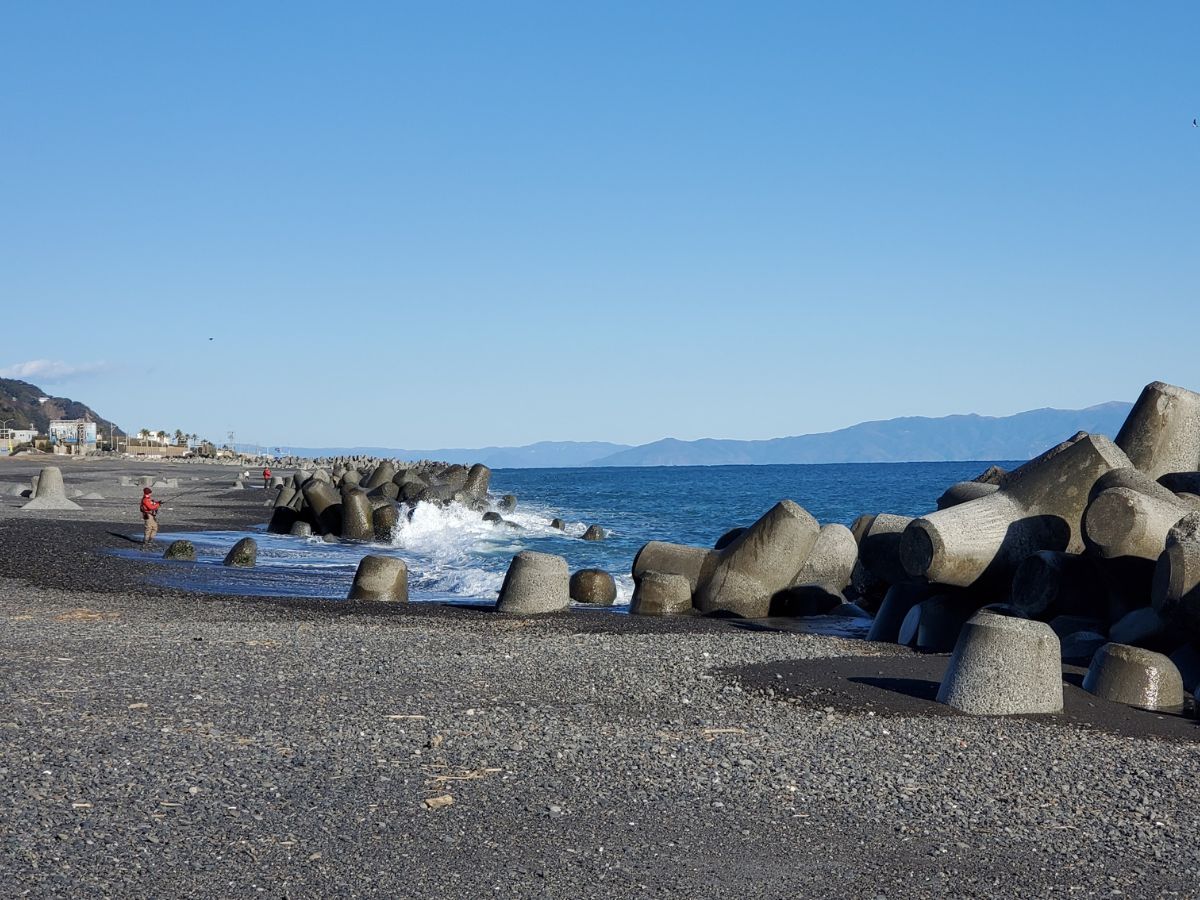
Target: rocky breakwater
364	499
1097	541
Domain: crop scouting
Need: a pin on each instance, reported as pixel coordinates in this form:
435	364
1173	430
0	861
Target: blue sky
466	224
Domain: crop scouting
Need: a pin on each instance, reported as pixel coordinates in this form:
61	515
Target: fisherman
150	515
266	477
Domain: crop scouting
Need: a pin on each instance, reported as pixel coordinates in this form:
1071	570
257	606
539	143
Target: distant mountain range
908	439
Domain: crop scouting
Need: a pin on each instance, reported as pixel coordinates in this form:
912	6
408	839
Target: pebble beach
156	741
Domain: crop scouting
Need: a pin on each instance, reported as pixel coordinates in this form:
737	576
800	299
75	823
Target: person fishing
150	515
266	477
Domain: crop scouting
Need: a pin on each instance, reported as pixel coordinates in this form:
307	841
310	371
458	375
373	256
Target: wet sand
158	742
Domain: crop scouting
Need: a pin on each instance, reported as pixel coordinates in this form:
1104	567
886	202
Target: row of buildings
67	436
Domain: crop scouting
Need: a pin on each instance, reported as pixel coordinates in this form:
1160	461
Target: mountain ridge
961	436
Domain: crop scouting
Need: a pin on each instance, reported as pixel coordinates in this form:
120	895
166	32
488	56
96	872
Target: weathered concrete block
761	562
1162	432
805	600
696	564
831	560
1004	666
1050	583
594	533
1039	507
1175	591
357	516
1079	647
1125	523
243	554
50	493
1143	627
385	520
964	492
1187	661
728	537
181	550
879	548
661	594
382	474
1136	677
594	586
535	583
301	529
324	504
479	477
897	603
1064	625
382	578
934	625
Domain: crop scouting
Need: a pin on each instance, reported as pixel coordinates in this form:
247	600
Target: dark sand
159	743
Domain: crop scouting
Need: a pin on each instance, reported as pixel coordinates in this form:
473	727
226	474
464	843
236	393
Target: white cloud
50	369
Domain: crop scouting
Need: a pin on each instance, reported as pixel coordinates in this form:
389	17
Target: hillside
28	406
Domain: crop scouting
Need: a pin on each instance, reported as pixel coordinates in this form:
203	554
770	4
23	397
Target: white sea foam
451	552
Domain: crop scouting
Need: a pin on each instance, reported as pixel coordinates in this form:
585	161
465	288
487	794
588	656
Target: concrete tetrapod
1049	583
879	547
1175	592
1039	507
1135	677
661	594
1161	434
535	583
357	516
831	560
897	603
762	561
1122	522
964	492
596	587
478	478
50	493
325	505
385	520
382	578
1004	666
695	564
384	472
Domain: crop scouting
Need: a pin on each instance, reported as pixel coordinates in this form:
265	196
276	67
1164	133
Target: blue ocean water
453	555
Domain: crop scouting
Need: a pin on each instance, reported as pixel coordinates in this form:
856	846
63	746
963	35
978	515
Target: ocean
454	556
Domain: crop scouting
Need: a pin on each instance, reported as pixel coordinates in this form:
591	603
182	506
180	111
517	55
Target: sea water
453	555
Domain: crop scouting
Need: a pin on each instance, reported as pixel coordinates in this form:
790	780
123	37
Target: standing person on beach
150	516
266	477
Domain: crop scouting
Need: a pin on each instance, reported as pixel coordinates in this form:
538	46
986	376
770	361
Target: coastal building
15	437
72	436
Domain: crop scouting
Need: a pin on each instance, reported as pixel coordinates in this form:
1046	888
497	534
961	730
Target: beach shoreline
161	741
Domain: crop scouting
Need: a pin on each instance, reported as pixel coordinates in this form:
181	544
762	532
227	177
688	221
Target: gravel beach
155	742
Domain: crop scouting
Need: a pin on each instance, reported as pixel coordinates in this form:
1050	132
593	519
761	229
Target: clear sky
456	224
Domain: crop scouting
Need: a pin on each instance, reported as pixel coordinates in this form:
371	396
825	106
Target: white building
14	437
72	436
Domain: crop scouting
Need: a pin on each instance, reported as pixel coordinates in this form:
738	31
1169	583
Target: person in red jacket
150	515
266	477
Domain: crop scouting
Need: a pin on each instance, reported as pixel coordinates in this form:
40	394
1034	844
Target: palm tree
179	436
